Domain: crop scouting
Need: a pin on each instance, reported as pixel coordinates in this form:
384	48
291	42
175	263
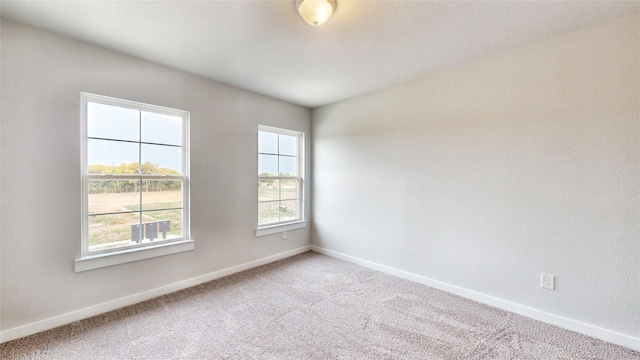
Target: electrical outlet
284	235
548	281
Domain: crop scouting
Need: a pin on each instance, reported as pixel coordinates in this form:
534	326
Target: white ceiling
266	47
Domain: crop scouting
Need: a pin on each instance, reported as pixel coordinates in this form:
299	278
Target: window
280	169
135	175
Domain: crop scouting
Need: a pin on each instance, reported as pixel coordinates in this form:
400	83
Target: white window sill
97	261
274	229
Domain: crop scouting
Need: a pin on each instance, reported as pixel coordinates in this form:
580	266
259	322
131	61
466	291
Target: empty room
320	179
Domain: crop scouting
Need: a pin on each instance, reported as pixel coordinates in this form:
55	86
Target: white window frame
300	222
144	250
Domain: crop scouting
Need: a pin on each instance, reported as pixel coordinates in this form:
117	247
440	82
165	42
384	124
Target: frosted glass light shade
315	12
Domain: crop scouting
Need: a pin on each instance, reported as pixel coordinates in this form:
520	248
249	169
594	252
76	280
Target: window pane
289	189
111	157
268	165
106	196
268	212
288	210
162	224
161	194
288	145
112	122
268	190
288	166
159	159
112	231
267	142
161	129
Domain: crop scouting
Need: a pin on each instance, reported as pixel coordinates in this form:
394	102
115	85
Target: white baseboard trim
562	322
53	322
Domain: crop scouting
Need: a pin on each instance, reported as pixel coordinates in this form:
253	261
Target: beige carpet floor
310	307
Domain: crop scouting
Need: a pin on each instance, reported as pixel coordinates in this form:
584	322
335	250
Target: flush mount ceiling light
315	12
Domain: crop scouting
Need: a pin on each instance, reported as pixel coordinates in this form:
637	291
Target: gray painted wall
486	175
42	77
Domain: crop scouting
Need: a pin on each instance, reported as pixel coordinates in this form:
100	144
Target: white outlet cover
548	281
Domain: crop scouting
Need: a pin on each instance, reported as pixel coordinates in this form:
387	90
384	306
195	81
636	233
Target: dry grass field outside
277	200
121	210
111	214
